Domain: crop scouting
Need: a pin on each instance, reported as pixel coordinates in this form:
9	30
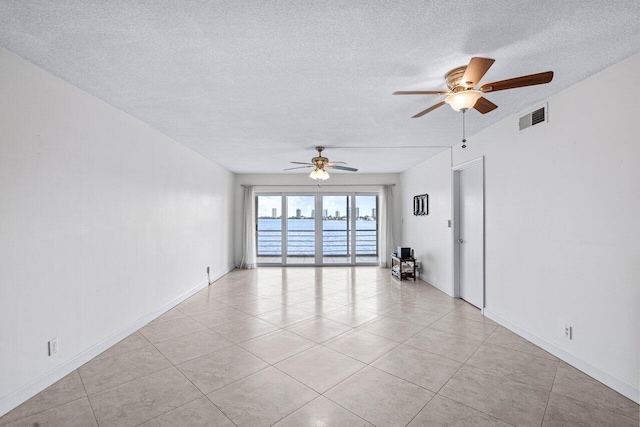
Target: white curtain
387	240
249	258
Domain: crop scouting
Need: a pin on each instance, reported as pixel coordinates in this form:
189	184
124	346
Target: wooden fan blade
530	80
343	168
302	163
421	92
335	163
433	107
476	70
299	167
484	105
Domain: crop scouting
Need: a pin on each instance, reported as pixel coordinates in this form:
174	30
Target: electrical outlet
568	332
53	346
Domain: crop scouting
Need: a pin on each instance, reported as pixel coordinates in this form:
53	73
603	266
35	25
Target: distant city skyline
268	206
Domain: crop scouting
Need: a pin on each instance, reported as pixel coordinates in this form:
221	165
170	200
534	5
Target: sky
307	203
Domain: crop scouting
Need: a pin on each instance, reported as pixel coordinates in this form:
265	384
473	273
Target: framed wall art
421	205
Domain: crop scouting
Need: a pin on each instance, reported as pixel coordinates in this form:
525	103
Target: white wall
103	221
430	235
296	182
562	236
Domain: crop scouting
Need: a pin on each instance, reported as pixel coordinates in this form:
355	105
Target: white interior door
469	238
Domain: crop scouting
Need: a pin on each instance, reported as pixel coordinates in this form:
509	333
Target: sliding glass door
301	230
317	229
336	230
269	229
366	228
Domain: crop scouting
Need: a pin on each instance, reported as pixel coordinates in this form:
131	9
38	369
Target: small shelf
403	268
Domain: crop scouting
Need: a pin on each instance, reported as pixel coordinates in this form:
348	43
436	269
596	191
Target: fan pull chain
464	141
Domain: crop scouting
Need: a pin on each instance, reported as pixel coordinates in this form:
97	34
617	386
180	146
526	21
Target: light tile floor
334	346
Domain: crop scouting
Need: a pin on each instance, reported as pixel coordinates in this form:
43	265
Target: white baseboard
25	393
436	285
622	387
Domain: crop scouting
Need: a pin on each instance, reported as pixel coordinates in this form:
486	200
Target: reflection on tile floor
328	346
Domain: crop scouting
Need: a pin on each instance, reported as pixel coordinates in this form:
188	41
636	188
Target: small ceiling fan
462	80
319	164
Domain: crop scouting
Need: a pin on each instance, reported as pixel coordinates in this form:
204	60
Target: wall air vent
533	118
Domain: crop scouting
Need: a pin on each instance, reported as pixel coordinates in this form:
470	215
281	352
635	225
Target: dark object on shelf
421	205
403	252
403	268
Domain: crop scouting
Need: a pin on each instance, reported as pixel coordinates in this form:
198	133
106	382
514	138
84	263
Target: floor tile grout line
87	396
231	344
600	408
220	409
238	379
356	330
457	335
45	410
401	342
524	352
288	325
295	410
254	373
400	378
454	374
319	343
178	336
346	409
476	409
166	412
97	359
521	382
462	364
421	409
355	372
134	379
549	397
203	395
316	398
273	364
435	354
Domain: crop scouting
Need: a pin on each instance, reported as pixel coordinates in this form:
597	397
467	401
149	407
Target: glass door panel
269	229
317	229
336	230
366	229
301	230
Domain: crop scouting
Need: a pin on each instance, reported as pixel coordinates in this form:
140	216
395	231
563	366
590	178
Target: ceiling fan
462	80
319	164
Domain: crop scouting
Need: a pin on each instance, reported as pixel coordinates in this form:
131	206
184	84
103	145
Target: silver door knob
460	241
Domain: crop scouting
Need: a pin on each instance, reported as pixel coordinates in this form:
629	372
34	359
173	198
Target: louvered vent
531	119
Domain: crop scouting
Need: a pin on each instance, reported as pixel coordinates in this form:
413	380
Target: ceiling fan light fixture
323	174
463	100
319	173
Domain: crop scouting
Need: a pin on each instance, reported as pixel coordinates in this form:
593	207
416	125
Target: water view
336	237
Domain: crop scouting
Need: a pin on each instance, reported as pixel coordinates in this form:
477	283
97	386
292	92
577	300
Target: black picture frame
421	205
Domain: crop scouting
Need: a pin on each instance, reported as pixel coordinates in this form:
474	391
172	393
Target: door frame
455	171
352	248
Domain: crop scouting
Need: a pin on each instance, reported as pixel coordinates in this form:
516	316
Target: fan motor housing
454	78
319	161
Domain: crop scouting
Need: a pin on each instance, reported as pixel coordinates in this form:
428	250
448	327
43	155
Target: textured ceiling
254	84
